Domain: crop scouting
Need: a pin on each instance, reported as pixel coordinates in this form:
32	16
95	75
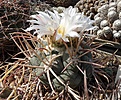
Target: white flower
68	24
60	25
44	23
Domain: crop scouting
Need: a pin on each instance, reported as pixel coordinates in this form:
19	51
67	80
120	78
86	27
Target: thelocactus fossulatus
60	34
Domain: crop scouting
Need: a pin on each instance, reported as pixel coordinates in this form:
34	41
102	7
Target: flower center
61	30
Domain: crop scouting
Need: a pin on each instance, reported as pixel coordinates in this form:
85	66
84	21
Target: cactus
61	55
71	75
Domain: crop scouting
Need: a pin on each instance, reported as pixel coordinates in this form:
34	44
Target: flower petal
73	34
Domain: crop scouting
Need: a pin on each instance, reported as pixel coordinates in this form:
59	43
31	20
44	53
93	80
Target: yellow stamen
61	30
